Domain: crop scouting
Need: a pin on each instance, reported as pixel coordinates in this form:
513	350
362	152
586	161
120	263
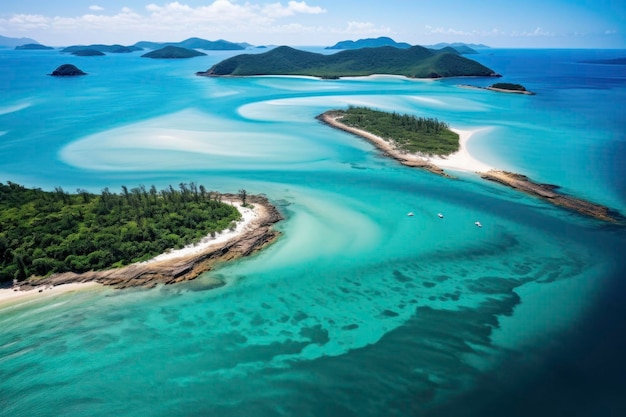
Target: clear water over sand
359	309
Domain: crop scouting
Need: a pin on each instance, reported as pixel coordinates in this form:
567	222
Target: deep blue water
358	310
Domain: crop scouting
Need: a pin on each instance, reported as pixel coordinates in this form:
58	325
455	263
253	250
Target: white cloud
219	17
277	10
364	28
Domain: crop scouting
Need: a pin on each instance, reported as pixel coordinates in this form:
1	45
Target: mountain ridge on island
413	62
111	49
173	52
195	43
458	47
369	43
9	42
33	47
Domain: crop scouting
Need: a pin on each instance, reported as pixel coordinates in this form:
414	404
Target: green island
172	52
409	133
413	62
412	140
47	232
509	88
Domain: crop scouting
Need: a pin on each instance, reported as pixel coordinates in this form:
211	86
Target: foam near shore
15	296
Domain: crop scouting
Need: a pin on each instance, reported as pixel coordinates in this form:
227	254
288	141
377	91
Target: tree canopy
43	232
409	133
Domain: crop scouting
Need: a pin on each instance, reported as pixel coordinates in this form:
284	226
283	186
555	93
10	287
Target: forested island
406	138
67	70
411	140
409	133
413	62
111	49
48	232
33	47
503	88
173	52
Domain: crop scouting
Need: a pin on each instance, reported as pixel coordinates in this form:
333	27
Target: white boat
410	214
478	224
440	215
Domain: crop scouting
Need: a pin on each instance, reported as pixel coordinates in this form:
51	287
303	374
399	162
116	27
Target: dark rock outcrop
67	70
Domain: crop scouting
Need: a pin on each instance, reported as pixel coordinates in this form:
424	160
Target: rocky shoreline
331	118
183	268
516	181
548	193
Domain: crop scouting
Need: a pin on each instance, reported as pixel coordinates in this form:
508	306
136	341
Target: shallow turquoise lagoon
358	309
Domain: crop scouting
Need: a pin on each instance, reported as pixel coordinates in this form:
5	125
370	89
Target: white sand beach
248	215
461	160
13	296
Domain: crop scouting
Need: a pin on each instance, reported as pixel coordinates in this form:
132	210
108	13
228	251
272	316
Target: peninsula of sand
463	161
253	232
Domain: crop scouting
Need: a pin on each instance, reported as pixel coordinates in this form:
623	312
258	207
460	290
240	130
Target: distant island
195	43
87	52
413	62
389	132
397	135
460	46
386	41
369	43
173	52
67	70
502	88
13	42
614	61
66	237
111	49
33	47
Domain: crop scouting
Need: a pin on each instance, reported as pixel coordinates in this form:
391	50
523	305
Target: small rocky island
67	70
509	88
502	88
173	52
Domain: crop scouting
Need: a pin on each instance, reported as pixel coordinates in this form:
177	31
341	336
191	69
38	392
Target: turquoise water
358	310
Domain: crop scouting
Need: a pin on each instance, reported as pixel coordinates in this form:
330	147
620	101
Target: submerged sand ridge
188	263
463	161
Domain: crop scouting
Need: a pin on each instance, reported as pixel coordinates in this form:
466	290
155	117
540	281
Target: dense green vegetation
415	62
44	232
410	133
509	86
172	52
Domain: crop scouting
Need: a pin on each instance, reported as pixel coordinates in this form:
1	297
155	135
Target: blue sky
497	23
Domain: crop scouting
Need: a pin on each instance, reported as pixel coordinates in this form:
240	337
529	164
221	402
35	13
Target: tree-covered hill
43	232
172	52
409	133
414	62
